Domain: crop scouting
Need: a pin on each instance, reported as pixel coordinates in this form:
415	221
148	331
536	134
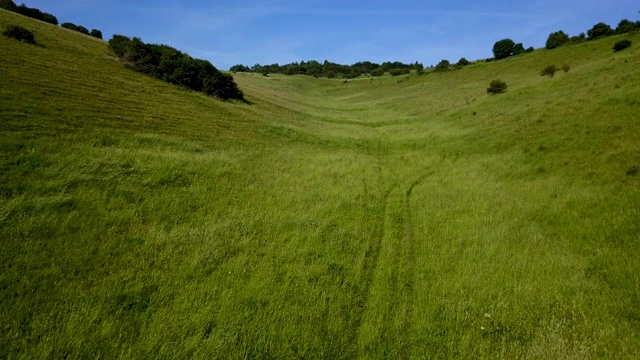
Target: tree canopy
27	11
443	65
599	30
556	39
503	48
96	33
173	66
74	27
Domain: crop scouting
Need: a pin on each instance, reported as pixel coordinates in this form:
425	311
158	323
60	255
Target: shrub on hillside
50	19
398	72
377	72
68	25
556	39
74	27
518	49
578	39
19	33
503	48
496	87
626	26
621	45
96	33
463	62
599	30
549	71
566	68
239	68
82	29
443	65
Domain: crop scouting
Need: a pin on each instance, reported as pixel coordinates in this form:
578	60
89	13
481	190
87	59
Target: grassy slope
419	218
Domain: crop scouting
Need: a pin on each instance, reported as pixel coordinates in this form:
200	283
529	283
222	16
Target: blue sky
229	32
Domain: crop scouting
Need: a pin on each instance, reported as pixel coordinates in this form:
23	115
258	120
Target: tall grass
367	219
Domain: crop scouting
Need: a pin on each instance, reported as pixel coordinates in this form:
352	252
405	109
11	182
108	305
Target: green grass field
395	217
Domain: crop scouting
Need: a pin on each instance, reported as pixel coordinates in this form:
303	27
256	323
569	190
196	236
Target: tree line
175	67
598	30
331	70
160	61
507	47
46	17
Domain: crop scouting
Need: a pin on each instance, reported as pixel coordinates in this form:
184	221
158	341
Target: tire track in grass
410	261
372	256
371	261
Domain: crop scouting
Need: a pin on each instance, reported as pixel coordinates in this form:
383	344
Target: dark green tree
96	33
50	19
27	11
556	39
314	68
518	49
578	38
599	30
239	68
503	48
463	62
222	86
8	5
70	26
291	69
443	65
82	29
120	44
626	26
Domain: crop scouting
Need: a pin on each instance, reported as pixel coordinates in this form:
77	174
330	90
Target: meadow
396	217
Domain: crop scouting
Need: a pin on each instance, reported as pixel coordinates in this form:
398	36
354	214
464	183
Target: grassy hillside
399	217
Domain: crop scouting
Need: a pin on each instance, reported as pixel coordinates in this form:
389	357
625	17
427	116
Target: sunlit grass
366	219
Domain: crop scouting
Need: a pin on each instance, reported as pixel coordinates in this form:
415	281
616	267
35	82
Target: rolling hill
395	217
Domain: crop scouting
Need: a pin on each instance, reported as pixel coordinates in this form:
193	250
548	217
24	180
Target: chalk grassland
410	217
